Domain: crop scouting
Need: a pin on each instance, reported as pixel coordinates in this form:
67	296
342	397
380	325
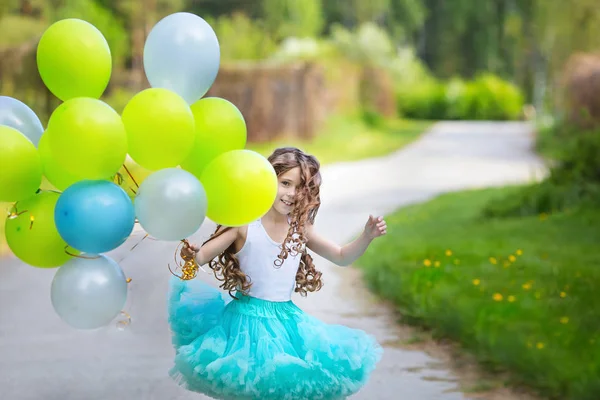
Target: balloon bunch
184	153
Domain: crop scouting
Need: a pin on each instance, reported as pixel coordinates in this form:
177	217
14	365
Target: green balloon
160	128
241	186
32	235
56	175
74	59
220	127
87	138
20	166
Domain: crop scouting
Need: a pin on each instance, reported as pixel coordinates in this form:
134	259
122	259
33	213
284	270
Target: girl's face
289	182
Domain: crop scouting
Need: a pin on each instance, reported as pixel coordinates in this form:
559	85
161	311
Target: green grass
520	293
350	139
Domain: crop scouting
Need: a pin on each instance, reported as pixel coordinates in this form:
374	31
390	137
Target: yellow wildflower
540	345
448	252
427	263
527	286
476	282
497	297
512	258
519	252
511	299
564	320
493	260
436	264
563	294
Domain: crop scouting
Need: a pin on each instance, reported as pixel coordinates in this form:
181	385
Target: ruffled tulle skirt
256	349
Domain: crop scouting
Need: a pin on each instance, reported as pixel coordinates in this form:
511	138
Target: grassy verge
350	139
520	293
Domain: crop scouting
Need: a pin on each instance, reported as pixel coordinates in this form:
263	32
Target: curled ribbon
189	268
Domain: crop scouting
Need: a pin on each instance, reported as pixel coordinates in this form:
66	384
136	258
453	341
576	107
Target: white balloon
171	204
182	54
88	293
19	116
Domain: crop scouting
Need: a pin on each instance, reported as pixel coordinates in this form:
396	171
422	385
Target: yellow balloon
20	166
220	127
241	186
132	175
87	138
74	59
53	171
31	234
160	128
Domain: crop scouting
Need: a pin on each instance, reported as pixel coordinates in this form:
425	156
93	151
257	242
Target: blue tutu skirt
253	349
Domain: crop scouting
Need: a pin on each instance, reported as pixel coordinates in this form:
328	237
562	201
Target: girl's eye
286	183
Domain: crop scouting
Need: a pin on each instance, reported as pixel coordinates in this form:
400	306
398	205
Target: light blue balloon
171	204
88	293
19	116
94	216
182	54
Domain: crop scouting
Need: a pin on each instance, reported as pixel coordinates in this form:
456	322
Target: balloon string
14	212
132	178
121	324
79	255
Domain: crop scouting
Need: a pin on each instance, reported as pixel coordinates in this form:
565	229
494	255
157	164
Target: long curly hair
226	266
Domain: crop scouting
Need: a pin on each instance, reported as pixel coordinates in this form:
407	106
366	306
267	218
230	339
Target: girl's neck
275	217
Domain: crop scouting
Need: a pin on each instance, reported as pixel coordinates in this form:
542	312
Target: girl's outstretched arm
346	255
224	237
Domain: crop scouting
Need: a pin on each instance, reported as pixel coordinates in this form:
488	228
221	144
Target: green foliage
520	293
425	101
485	98
240	38
306	49
574	179
292	18
369	44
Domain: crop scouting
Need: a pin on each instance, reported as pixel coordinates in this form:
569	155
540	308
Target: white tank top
257	258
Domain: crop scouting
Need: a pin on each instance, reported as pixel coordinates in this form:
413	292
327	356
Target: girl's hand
375	227
189	250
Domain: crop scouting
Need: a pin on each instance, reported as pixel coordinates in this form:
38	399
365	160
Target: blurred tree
285	18
241	38
218	8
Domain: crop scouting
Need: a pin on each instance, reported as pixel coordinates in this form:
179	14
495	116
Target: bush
491	98
574	178
486	98
241	38
425	101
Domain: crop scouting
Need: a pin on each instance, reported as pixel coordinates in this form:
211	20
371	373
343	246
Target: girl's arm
213	247
346	255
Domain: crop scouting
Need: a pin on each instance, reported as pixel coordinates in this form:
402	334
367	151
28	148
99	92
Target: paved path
41	358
